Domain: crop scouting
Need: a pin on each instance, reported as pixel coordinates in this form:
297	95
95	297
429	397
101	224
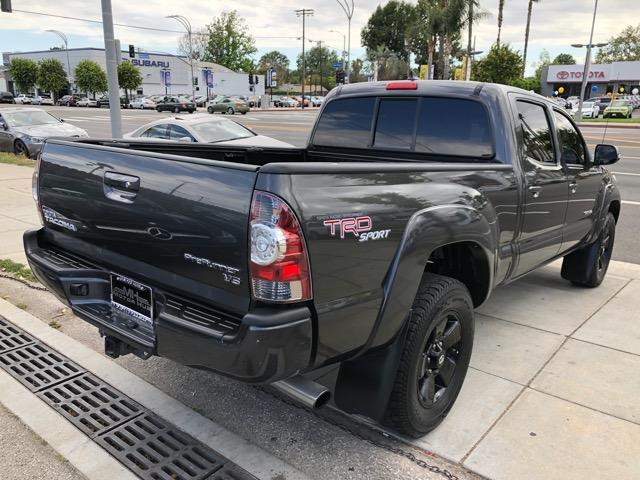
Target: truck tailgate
184	217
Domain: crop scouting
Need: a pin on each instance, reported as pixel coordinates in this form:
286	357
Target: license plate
132	299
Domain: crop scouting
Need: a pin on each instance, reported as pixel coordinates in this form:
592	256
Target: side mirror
4	126
605	154
62	120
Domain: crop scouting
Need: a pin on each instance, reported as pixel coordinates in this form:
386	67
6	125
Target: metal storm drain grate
37	366
90	404
143	442
12	337
160	451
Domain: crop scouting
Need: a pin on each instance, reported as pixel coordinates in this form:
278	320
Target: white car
24	99
589	110
42	100
204	128
317	101
573	101
142	103
87	102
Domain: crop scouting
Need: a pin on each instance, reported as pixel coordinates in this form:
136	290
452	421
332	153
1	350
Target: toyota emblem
562	75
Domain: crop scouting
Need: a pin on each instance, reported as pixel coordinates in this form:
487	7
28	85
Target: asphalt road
295	126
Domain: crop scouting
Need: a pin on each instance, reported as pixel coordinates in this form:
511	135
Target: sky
556	24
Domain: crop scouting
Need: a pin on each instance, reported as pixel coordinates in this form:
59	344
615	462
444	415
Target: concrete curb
609	125
250	457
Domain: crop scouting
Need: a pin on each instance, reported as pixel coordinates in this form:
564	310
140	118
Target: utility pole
304	12
112	69
587	64
320	46
347	7
187	26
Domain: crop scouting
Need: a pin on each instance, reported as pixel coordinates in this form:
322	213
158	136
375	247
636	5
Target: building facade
151	65
616	77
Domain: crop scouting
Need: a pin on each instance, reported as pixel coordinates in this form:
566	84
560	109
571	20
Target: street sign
165	78
207	77
337	65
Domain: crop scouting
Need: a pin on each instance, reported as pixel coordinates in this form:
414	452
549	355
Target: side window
395	124
536	132
345	123
571	144
176	132
157	131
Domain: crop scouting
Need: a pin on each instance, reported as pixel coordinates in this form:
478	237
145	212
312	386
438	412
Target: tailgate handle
122	181
120	187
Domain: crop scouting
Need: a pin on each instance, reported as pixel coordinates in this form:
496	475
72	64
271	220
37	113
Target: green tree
564	59
543	60
229	42
528	83
90	77
387	64
319	61
24	73
129	77
424	31
51	75
277	60
526	34
199	42
501	65
357	71
623	48
388	27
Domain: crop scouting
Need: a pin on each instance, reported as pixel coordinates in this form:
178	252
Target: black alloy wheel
19	148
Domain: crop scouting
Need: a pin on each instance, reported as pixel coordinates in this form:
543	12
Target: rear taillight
279	263
35	187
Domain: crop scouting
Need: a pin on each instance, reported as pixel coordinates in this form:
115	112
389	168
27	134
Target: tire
588	266
176	109
141	106
191	111
439	334
19	148
243	113
230	111
210	109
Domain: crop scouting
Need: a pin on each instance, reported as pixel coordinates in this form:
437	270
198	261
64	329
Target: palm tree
526	35
500	16
427	25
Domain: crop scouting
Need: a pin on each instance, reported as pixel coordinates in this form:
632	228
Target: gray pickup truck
348	268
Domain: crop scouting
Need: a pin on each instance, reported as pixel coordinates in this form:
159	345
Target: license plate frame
132	300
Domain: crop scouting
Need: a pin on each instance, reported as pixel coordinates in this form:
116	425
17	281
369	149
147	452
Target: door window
346	123
536	132
157	131
176	132
396	121
571	144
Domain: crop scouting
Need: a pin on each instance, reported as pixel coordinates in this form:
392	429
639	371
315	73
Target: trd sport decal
360	227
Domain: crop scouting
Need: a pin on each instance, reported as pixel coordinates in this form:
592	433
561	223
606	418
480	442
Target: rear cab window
441	126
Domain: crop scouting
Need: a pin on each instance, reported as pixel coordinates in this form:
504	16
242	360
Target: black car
7	97
104	102
355	262
68	100
602	102
175	105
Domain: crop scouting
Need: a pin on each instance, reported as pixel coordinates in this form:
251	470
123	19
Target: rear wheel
19	148
588	266
230	111
435	357
210	109
176	109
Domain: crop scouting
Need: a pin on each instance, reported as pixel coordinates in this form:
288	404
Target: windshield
220	131
619	103
587	105
27	118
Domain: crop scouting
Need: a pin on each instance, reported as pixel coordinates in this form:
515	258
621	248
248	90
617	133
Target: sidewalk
553	390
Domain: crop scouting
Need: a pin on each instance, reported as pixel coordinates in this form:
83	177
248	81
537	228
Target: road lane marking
630	202
627	173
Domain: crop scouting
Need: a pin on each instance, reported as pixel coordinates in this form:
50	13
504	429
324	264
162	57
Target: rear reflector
404	85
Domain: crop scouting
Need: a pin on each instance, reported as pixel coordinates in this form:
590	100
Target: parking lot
551	393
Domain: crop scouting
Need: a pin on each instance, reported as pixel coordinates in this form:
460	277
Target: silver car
24	130
203	128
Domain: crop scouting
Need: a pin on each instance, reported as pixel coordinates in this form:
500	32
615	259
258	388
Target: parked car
589	110
24	99
175	105
104	101
302	100
602	102
68	100
205	129
7	97
42	100
285	102
23	130
227	105
87	102
573	101
317	101
199	100
618	108
142	103
356	261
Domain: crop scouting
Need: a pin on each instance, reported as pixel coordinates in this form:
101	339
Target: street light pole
187	25
112	69
347	7
587	64
303	12
344	46
66	47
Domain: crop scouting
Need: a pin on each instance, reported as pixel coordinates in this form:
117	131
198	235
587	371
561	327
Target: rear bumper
263	346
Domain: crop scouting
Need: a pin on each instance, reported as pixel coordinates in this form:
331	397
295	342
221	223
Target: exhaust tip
305	391
322	399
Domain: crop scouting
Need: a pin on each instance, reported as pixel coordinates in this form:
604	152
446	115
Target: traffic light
251	79
5	6
132	51
256	80
340	77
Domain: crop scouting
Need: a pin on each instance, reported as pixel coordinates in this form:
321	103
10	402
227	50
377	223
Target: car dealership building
603	79
152	67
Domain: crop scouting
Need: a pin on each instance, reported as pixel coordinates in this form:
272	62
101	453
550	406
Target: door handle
573	186
120	187
535	190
